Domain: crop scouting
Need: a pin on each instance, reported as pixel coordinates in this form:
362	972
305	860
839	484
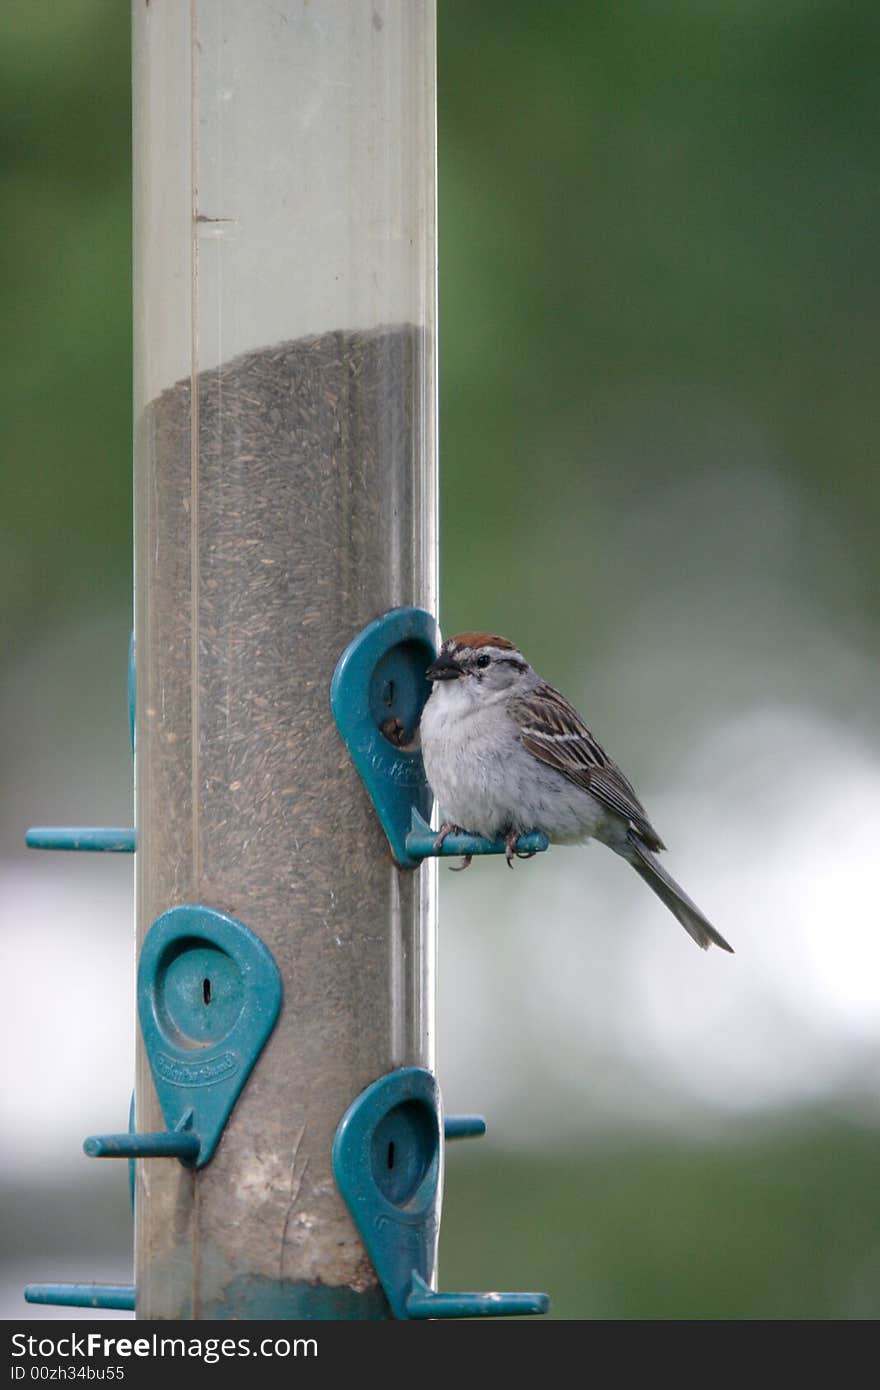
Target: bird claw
447	828
510	850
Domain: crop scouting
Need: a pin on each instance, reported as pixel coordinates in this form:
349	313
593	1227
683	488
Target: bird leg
510	849
448	828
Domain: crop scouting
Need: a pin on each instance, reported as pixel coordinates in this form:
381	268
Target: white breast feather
487	782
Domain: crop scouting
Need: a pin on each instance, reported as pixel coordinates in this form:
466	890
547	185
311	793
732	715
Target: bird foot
510	850
449	828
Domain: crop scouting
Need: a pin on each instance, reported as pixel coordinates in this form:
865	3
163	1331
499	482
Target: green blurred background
659	412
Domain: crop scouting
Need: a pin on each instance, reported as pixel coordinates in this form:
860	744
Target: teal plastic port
388	1164
209	993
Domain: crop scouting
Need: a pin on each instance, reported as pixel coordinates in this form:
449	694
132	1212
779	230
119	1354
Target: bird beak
445	668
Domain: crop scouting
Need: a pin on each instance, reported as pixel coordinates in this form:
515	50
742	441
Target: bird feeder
287	1131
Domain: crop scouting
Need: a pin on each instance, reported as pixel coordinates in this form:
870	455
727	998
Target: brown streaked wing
553	731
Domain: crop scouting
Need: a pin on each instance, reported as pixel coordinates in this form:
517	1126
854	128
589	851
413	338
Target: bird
505	753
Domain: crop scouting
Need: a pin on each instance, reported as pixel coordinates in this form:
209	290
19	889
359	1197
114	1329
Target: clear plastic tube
285	495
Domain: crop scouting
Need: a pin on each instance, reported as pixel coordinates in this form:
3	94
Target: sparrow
505	753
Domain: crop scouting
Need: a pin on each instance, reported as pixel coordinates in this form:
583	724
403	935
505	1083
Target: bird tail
675	898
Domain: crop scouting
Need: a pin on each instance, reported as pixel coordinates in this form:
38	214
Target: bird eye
482	660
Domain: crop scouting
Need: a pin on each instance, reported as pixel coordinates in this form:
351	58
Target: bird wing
553	731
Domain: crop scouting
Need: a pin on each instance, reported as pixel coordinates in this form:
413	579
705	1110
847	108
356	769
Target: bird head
479	667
